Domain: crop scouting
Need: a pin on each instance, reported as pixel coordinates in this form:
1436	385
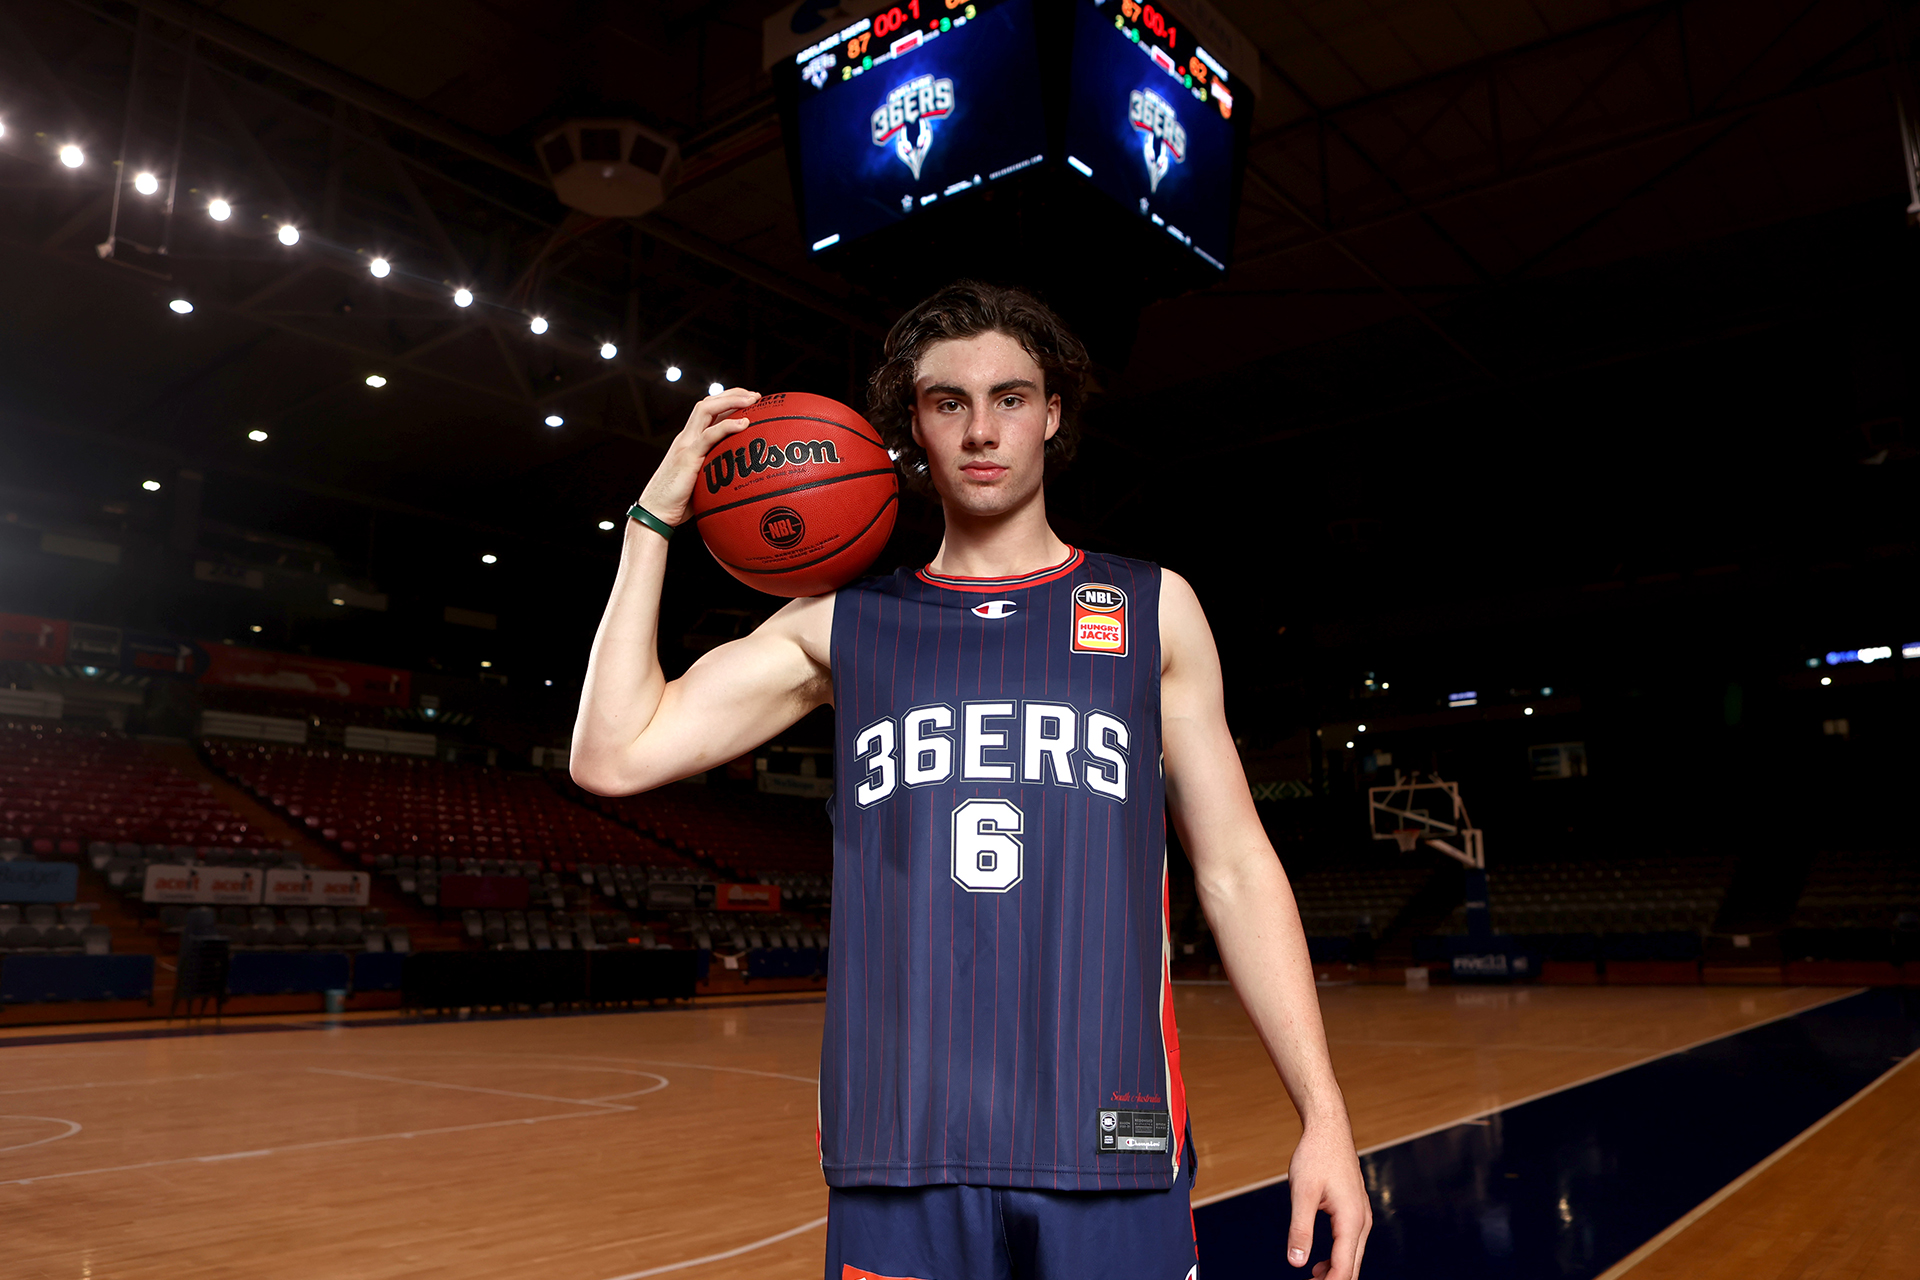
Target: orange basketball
800	502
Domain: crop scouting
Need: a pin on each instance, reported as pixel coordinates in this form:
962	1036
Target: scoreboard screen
1150	122
921	103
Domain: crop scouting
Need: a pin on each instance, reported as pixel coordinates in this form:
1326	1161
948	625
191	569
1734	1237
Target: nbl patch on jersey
1099	619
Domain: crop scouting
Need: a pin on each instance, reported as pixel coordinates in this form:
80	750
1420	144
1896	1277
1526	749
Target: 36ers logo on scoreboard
1163	137
906	118
1099	619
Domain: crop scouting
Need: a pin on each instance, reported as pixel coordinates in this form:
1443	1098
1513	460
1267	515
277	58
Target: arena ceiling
1468	233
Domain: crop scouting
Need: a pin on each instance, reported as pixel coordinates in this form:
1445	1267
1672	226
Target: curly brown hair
966	309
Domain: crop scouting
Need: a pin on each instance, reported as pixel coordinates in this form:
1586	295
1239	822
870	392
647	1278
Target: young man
1000	1090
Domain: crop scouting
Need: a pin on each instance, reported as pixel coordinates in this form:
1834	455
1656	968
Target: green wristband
652	521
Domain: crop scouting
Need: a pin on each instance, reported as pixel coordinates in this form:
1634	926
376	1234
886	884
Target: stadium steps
427	934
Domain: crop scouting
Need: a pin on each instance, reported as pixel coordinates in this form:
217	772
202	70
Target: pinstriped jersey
999	1009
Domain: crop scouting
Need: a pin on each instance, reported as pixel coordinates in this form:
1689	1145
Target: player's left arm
1250	907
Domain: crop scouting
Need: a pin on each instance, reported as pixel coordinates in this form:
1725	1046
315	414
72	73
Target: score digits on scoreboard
1178	54
877	37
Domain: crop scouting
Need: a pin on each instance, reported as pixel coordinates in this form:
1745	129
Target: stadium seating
1339	903
1629	896
1857	890
751	837
1857	906
65	793
374	806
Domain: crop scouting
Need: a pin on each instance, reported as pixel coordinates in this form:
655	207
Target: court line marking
1547	1093
500	1093
319	1144
1713	1201
122	1084
788	1234
73	1127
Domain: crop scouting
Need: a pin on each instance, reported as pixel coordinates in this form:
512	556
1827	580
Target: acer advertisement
919	105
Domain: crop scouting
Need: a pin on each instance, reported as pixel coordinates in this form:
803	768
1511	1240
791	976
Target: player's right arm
636	729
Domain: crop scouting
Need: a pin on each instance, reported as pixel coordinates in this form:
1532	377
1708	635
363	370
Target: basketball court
680	1140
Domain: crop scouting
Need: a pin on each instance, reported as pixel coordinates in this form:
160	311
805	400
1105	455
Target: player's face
982	414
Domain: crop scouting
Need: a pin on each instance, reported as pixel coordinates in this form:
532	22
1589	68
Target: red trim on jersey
1169	1033
1037	578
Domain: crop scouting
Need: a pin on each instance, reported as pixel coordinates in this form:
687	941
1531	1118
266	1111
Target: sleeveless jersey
999	1010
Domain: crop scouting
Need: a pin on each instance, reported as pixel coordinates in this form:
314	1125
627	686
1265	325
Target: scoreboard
919	103
1150	123
908	114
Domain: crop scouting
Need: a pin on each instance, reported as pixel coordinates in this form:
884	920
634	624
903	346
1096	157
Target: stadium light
463	297
606	526
153	486
180	307
375	381
72	156
555	420
380	268
255	628
1349	742
714	388
1824	680
538	324
258	437
608	351
219	210
1526	711
485	663
289	234
1361	729
489	558
145	183
673	373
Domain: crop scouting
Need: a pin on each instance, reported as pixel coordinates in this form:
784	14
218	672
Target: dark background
1565	345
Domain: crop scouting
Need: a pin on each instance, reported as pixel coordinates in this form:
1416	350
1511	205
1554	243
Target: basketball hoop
1407	839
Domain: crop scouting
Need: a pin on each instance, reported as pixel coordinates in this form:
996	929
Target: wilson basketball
800	502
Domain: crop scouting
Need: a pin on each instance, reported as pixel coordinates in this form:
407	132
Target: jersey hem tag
1119	1132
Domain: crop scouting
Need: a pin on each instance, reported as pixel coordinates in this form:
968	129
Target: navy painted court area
1568	1184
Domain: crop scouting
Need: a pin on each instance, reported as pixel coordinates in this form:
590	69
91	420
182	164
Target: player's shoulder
1122	568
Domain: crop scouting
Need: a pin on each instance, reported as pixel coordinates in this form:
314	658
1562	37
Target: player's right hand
669	494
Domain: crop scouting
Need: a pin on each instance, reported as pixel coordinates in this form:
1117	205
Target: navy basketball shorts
1003	1233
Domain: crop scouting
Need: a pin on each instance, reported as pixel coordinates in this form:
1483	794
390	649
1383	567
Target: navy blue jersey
999	1010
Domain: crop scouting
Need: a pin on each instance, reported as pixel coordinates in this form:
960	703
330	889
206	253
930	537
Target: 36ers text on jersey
998	1010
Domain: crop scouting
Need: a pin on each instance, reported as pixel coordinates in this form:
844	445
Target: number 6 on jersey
986	857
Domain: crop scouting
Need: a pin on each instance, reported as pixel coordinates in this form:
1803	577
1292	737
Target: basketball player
1000	1090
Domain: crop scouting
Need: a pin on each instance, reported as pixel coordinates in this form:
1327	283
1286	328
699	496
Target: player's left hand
1324	1174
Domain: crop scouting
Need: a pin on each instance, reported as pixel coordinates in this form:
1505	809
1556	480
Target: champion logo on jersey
996	609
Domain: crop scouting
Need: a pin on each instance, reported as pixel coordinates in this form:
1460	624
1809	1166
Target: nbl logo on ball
905	119
1163	138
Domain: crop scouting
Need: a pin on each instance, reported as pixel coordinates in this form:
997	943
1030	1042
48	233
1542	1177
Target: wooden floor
628	1145
1843	1204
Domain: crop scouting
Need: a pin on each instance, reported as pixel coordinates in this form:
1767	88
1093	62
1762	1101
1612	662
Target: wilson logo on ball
757	455
782	527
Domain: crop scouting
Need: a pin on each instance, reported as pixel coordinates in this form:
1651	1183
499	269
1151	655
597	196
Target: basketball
800	502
